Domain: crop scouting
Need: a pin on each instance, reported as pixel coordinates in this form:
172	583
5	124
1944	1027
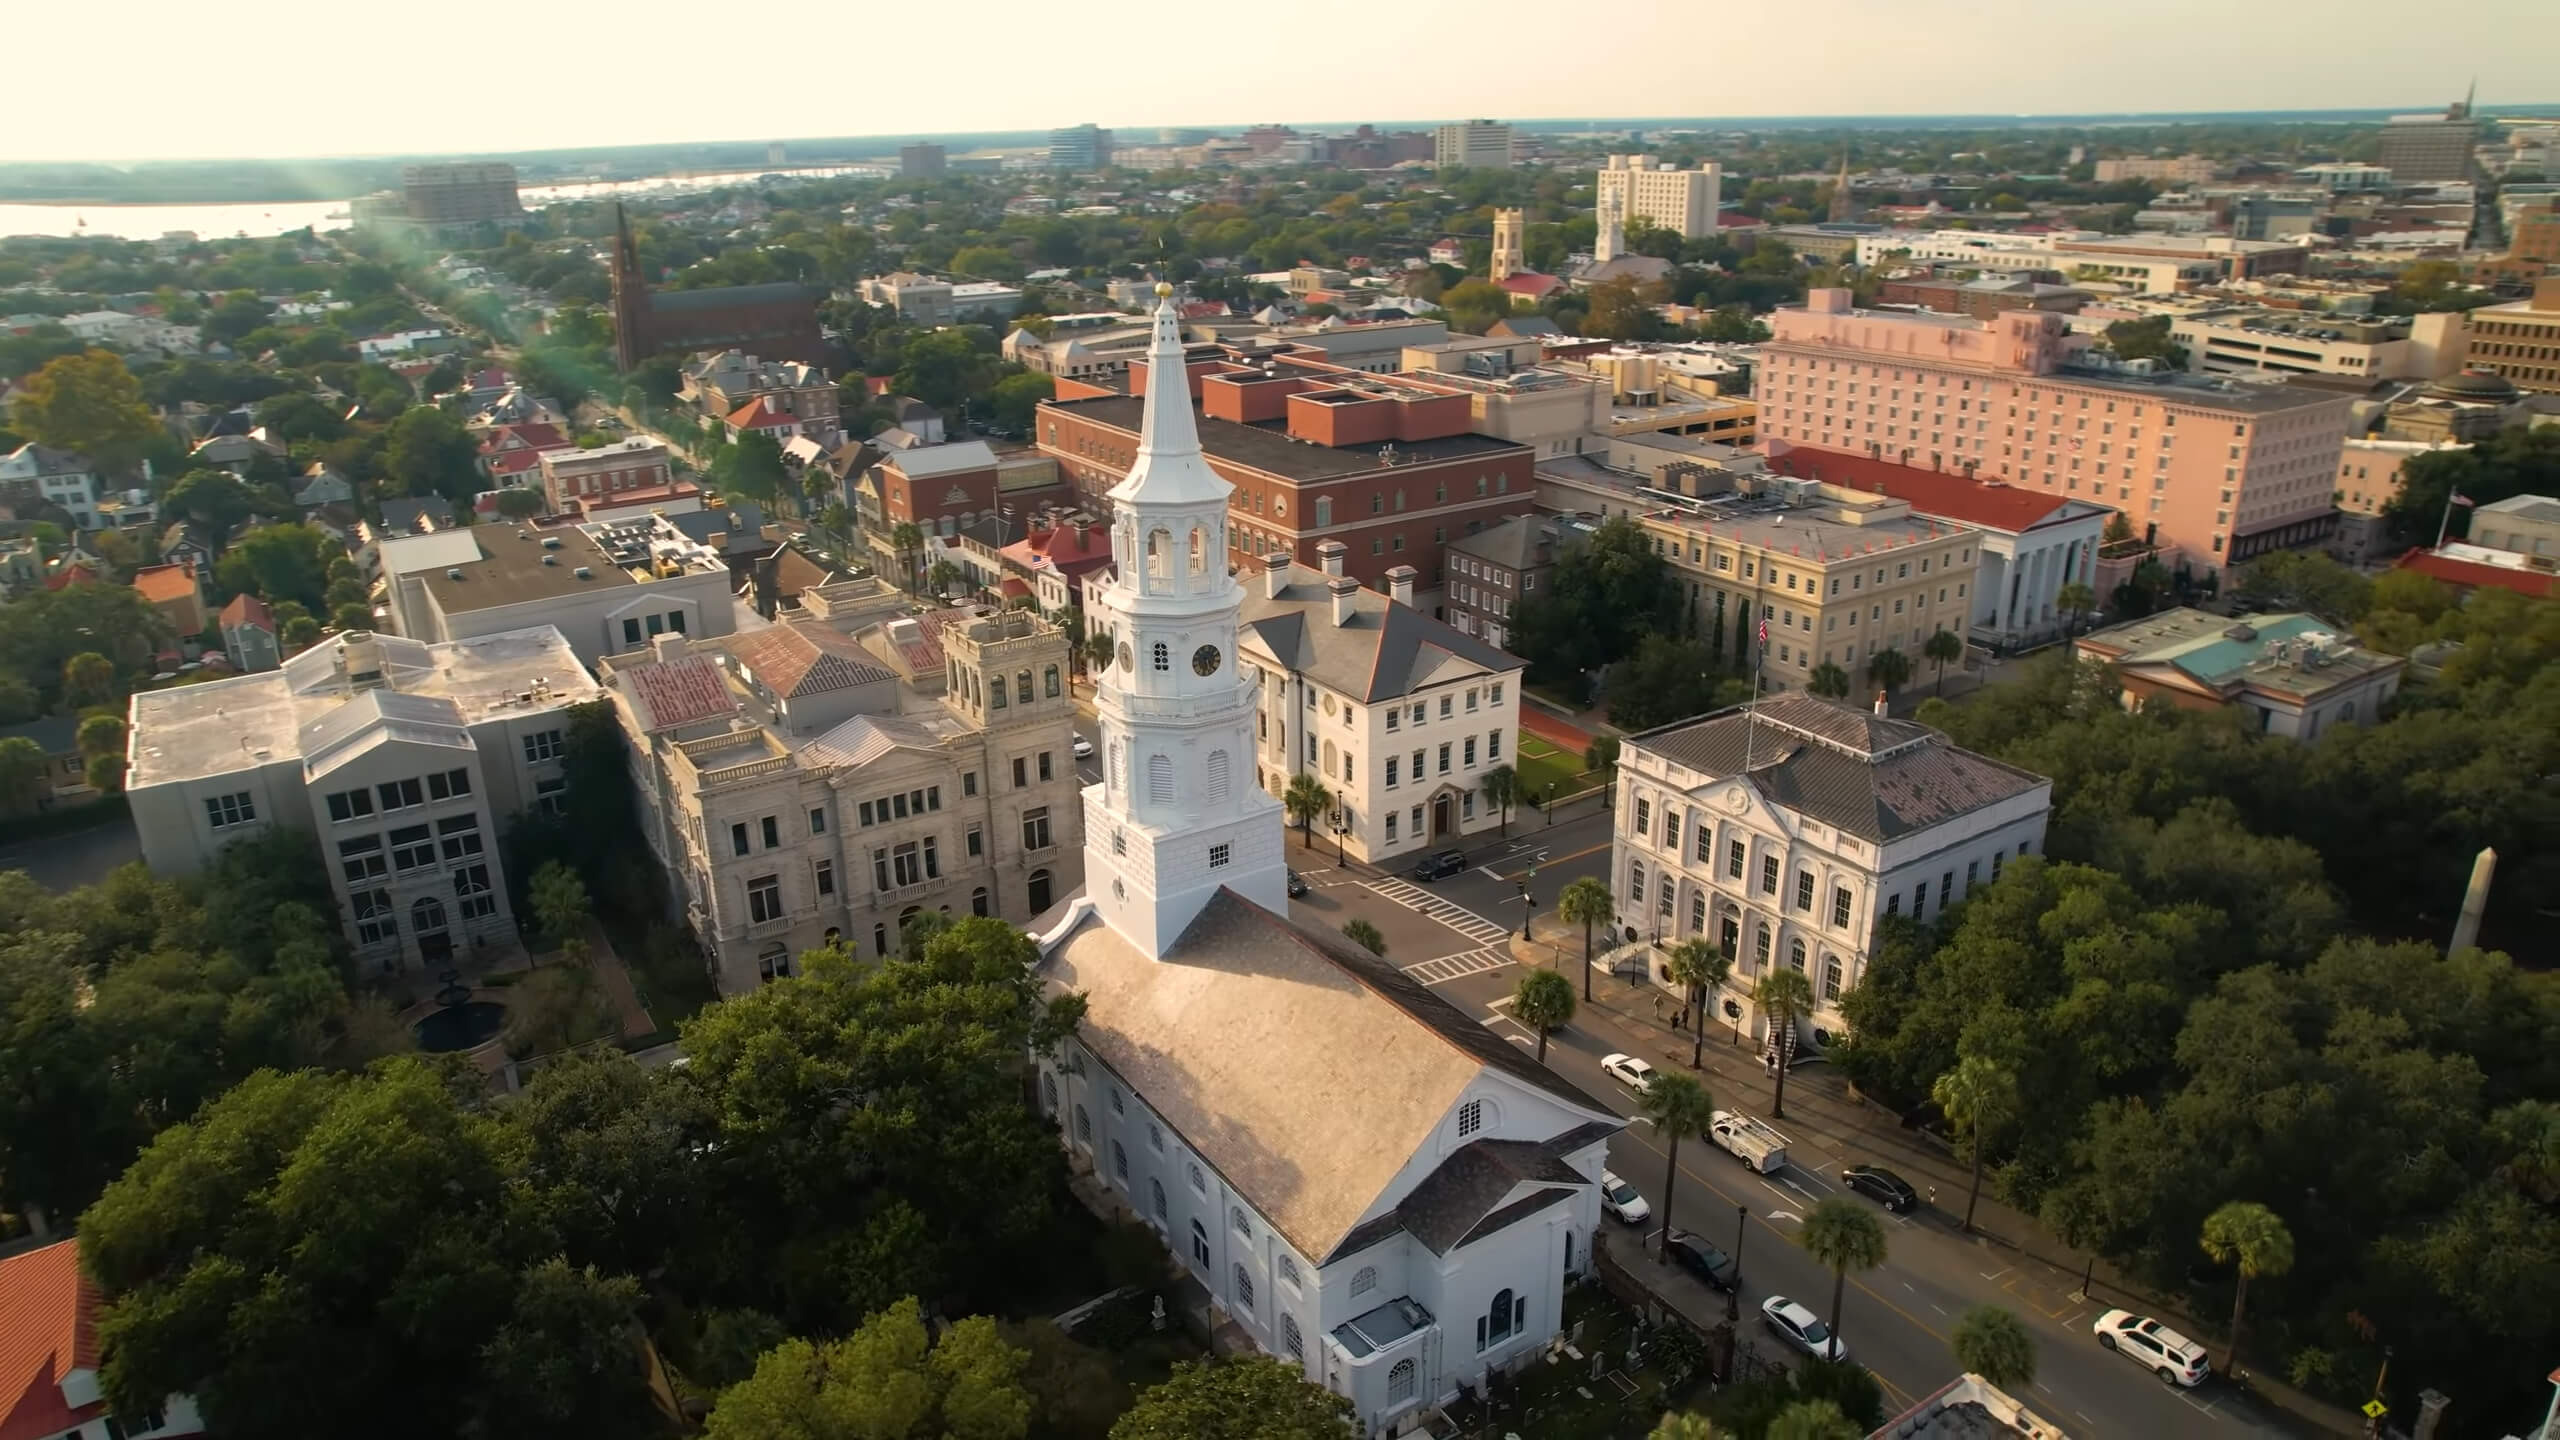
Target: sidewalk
1821	1106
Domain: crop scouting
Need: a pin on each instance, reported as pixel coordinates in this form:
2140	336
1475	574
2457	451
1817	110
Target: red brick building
778	322
1387	465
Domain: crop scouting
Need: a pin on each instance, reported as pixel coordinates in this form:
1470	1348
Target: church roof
1307	1070
1382	651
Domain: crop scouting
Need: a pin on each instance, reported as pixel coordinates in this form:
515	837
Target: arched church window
1159	546
1199	552
1217	777
1022	687
1160	779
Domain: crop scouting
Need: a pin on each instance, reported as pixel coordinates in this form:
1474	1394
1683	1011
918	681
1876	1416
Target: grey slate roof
1513	544
1873	777
1450	1207
671	301
1383	651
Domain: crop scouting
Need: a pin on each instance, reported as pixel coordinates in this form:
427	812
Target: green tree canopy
427	452
1606	593
88	404
887	1378
1014	402
945	369
1254	1398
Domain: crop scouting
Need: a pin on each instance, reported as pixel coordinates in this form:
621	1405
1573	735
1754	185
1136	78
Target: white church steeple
1177	813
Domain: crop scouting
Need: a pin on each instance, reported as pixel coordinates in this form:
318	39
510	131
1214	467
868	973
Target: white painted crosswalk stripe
1457	917
1466	962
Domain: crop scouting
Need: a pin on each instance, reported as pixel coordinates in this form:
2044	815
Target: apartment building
2151	264
1477	143
1398	714
780	840
1784	832
2520	340
722	386
1079	147
608	586
1637	187
1833	575
407	760
571	477
2423	149
1492	571
2160	169
2243	339
2213	471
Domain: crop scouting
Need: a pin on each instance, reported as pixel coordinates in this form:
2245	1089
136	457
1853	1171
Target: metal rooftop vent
583	573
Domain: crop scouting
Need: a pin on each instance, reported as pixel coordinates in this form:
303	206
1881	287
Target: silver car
1801	1328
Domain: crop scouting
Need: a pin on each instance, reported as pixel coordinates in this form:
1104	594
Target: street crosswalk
1465	962
1457	917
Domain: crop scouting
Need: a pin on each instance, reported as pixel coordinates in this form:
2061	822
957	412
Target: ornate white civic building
1368	1182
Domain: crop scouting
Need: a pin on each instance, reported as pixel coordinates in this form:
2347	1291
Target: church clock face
1128	661
1204	661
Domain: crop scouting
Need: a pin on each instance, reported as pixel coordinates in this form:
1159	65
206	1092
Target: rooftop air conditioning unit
453	574
550	559
583	573
550	542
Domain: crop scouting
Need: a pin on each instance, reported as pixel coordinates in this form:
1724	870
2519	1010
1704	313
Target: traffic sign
2375	1409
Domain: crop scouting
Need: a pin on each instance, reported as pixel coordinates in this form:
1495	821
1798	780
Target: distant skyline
299	78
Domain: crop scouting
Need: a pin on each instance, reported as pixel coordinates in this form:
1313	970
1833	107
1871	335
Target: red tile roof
680	692
247	609
1931	492
161	584
48	1328
796	660
762	414
529	436
70	575
1736	220
1531	283
2537	584
515	462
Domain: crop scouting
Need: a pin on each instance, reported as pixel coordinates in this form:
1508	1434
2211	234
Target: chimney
1275	577
1880	705
1084	531
1346	595
1400	585
1330	554
672	646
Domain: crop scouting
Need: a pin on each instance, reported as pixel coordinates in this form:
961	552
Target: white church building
1367	1181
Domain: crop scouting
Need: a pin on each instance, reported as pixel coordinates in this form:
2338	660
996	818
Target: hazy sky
319	77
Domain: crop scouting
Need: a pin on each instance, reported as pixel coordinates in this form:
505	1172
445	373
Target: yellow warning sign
2375	1409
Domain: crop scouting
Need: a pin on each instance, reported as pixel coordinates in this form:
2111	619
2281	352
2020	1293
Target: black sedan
1881	1185
1439	863
1297	884
1699	1258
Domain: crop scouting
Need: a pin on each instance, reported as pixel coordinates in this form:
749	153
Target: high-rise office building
920	162
1079	147
450	193
1480	143
2419	149
1634	188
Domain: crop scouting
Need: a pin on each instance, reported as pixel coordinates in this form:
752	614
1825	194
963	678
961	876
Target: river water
262	218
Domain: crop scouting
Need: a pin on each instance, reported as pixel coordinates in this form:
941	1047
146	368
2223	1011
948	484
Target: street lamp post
1550	806
1528	902
1341	834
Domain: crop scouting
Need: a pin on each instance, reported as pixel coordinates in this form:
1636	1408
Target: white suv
2153	1346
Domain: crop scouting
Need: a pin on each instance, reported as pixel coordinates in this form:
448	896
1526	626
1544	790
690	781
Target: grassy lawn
1541	764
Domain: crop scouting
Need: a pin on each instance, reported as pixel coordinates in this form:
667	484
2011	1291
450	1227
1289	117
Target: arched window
1199	552
1049	682
1084	1126
1495	1327
1022	687
1160	779
995	695
1236	1217
978	901
1400	1382
1200	1244
1119	1104
1830	977
1291	1340
1244	1288
1119	1161
1364	1280
1158	557
1795	956
1163	657
1039	891
1199	1182
1217	777
1155	1190
1289	1269
1048	1094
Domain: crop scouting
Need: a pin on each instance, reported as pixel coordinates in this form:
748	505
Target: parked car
1801	1328
1619	1200
2153	1346
1629	1071
1702	1260
1297	884
1882	1186
1439	863
1083	748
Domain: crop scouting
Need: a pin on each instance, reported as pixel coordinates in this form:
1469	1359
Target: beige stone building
1636	187
780	841
1838	575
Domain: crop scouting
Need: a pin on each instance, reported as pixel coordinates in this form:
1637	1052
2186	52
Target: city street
1897	1318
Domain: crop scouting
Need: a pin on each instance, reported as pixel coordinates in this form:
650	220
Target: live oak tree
88	404
887	1378
1247	1398
1994	1344
1606	592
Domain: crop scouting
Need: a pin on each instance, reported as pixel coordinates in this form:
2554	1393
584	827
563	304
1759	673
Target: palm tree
1365	935
1586	902
1979	1096
1842	1234
1697	967
1678	1106
1098	651
1501	786
2076	600
941	576
1941	647
1887	669
1782	994
2252	1237
908	541
1829	680
1994	1344
1305	799
1543	1002
1814	1420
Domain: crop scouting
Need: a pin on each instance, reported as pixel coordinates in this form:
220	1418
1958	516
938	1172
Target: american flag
1764	629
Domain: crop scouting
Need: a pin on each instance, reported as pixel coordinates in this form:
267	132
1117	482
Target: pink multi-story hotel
2214	472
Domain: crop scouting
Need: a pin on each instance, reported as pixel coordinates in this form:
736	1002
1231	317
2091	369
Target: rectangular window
1768	874
1893	904
1946	889
449	785
969	783
1219	855
1021	770
1733	854
1635	882
1395	713
361	859
1391	770
226	811
738	838
551	797
1044	766
1804	890
1972	873
1492	745
1644	816
459	835
817	822
1470	758
1035	829
906	863
350	805
1839	904
1706	840
976	842
1446	707
1444	759
540	746
772	831
400	794
865	813
412	849
1391	827
764	899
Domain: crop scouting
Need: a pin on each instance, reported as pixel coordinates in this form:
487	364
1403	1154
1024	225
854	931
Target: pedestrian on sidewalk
1933	1197
1657	1011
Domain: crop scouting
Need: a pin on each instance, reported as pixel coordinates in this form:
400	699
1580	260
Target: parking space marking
1451	967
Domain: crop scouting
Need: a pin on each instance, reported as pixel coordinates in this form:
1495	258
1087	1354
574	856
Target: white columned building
1366	1182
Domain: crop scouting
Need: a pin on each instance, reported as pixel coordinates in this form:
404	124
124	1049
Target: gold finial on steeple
1164	289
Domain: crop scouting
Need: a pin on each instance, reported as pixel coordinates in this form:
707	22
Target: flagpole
2451	494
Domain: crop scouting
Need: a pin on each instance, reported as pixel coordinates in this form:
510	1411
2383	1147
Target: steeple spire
1169	468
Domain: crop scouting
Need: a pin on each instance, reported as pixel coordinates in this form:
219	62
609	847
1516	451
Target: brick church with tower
775	322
